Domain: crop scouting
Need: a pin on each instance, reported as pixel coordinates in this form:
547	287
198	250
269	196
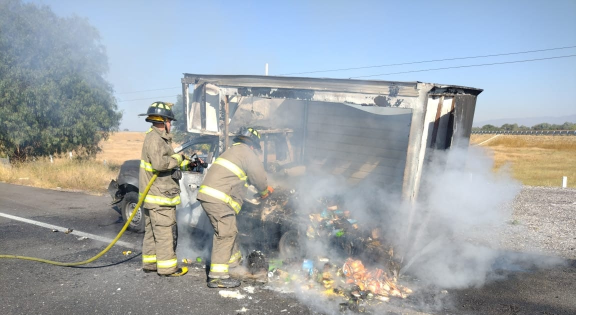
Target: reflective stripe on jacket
158	157
230	176
234	169
221	196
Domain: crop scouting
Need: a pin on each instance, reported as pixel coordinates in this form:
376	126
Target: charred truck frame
363	132
376	130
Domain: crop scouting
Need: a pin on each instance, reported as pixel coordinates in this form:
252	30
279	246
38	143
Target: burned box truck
346	134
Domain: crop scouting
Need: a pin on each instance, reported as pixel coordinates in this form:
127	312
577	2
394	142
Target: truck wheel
138	223
291	245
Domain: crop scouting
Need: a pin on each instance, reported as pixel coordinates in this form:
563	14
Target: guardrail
529	132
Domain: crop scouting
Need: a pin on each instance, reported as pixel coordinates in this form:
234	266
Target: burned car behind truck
319	133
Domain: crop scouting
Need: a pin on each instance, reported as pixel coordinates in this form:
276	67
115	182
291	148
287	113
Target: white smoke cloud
194	229
450	238
452	234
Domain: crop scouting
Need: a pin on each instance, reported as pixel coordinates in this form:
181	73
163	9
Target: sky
150	44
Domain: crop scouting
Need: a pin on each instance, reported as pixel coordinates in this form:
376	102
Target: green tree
509	127
515	127
542	126
53	97
489	127
568	126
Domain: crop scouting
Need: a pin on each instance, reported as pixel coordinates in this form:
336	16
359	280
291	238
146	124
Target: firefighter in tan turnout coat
158	157
222	193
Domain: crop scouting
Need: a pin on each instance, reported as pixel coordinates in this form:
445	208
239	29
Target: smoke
450	237
194	229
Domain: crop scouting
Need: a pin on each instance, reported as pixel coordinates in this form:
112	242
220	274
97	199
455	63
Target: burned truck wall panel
447	121
440	130
463	118
456	118
356	144
274	113
378	132
353	142
203	114
268	86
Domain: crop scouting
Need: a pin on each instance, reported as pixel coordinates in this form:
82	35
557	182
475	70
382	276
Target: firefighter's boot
223	283
178	273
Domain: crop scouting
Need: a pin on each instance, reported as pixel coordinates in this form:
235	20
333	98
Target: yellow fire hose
58	263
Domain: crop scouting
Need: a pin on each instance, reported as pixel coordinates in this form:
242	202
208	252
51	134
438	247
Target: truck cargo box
374	132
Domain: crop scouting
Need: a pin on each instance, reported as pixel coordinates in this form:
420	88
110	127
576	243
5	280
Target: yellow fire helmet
158	111
250	136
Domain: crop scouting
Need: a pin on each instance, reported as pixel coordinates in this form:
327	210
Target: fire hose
72	264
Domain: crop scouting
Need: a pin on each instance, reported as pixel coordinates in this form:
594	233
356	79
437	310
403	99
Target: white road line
62	229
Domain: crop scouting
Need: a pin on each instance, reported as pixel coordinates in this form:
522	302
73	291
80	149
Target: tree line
54	97
516	127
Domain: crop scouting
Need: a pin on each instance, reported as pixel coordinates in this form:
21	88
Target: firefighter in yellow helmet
158	157
221	195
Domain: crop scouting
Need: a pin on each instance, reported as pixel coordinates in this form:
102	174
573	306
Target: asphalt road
115	284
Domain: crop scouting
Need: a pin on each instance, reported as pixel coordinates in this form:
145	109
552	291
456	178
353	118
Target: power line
149	90
427	61
422	70
149	98
466	66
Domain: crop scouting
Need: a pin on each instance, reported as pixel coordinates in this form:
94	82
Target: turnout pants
225	250
160	240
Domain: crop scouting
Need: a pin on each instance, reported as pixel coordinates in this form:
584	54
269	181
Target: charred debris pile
322	246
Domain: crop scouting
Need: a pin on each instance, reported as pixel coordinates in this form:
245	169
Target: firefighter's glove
202	163
267	192
199	162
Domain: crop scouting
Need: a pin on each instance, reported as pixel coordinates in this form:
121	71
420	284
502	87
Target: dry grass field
533	160
121	146
74	175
